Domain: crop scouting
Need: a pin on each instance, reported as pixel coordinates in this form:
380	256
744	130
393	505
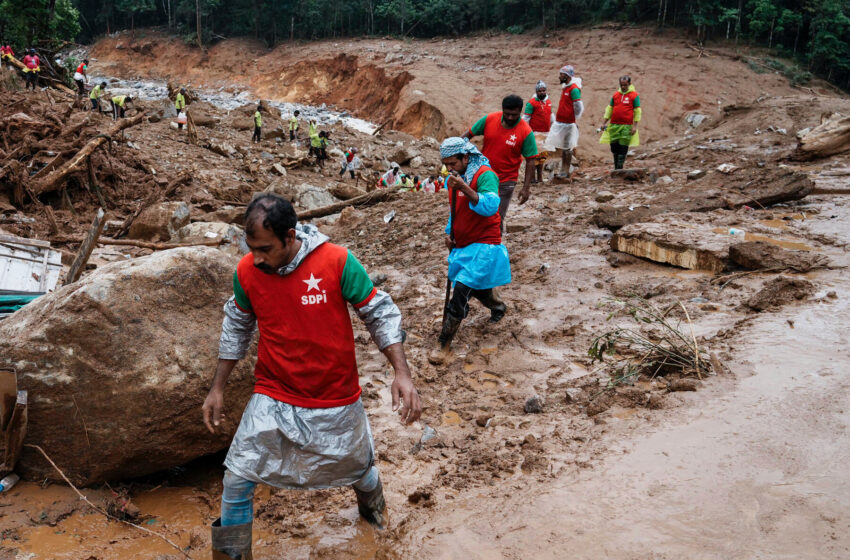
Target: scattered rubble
779	291
762	190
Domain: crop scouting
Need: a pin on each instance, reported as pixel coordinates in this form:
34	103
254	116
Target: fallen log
86	248
56	84
139	243
364	200
54	181
831	137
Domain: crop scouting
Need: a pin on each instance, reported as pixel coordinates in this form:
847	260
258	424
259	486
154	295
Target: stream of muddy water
225	99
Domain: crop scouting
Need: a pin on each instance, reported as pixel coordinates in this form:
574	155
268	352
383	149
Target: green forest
814	33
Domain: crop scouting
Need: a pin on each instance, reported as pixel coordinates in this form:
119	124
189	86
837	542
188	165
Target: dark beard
265	268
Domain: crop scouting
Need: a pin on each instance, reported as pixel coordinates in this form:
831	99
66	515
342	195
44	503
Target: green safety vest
95	92
258	119
119	100
179	101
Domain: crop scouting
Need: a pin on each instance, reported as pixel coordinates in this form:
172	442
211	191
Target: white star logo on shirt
312	283
513	137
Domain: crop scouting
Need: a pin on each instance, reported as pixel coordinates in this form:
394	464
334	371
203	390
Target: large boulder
160	221
403	154
118	365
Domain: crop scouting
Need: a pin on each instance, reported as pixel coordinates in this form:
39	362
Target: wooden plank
86	248
24	241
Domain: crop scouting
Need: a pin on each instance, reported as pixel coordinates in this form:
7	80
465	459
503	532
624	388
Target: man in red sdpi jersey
305	426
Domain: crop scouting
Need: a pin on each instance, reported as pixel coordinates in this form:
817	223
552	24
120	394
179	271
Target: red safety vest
81	68
566	113
469	227
623	111
31	61
541	118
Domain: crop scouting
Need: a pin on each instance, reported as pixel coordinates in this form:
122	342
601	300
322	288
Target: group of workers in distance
32	68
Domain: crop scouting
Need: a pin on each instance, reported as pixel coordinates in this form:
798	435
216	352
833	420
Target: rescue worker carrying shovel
478	261
305	426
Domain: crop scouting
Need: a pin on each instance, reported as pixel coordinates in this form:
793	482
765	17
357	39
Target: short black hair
272	212
297	113
512	101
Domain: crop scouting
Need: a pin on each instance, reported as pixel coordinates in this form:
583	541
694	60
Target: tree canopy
814	32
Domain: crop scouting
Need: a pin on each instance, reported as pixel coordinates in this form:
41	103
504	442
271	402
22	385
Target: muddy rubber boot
371	505
232	542
496	306
442	354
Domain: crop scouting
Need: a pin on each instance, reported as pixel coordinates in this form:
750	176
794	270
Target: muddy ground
753	463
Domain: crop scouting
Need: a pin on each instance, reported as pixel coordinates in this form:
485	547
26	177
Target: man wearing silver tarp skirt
305	426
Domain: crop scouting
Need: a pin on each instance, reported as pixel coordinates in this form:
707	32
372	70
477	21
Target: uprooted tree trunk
55	179
831	137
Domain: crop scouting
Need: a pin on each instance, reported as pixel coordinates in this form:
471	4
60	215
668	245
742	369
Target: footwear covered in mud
372	506
443	353
232	542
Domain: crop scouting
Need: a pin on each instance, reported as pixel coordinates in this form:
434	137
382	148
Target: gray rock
695	119
378	278
266	155
534	405
604	196
573	395
233	236
696	174
308	197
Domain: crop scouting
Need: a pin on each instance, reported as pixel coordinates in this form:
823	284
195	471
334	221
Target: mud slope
441	86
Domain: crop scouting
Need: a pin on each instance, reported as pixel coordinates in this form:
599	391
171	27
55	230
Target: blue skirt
480	266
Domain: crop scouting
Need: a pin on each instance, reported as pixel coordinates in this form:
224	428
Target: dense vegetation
816	33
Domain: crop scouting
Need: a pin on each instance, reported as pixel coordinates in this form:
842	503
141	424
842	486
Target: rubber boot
621	159
232	542
442	354
371	505
496	306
